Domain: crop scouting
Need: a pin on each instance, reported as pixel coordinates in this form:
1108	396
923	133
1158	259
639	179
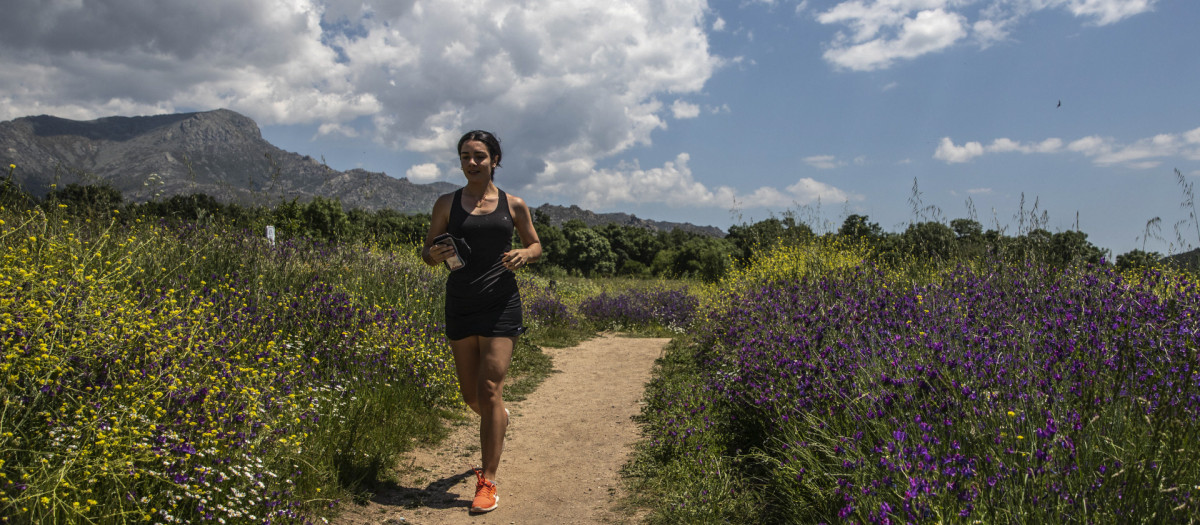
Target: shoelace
482	481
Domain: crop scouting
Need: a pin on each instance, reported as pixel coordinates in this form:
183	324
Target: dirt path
565	445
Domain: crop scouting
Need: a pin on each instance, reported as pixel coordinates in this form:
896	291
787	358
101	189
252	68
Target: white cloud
979	191
1141	154
718	24
563	79
828	162
953	154
824	162
1050	145
1005	145
424	173
1104	12
808	191
988	32
672	183
927	32
883	32
332	128
685	110
1193	136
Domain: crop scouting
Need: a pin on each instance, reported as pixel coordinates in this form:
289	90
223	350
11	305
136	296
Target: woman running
483	305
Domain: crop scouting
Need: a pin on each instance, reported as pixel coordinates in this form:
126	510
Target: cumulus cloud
949	152
562	79
1144	153
673	184
424	173
1103	151
926	32
685	110
879	33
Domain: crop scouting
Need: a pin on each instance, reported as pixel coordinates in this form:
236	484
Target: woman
483	305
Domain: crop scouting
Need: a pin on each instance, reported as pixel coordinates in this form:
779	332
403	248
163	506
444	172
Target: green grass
686	486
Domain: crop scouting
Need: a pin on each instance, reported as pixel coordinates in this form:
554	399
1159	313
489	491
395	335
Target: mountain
561	214
1187	260
219	153
222	154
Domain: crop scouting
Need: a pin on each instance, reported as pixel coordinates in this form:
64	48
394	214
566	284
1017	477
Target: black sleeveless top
489	236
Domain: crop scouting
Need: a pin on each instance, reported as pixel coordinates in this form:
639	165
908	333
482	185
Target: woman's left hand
514	259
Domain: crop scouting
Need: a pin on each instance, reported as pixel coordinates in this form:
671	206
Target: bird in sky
1059	104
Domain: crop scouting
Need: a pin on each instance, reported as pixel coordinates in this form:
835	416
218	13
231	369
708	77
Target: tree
676	238
100	198
324	218
932	240
555	246
1137	260
1034	246
707	259
589	252
967	230
1071	246
196	206
749	241
703	258
635	247
969	236
286	217
857	226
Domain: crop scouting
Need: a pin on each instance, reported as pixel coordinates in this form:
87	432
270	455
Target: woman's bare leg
483	362
466	367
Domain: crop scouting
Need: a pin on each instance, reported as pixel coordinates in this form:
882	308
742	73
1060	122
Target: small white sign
271	234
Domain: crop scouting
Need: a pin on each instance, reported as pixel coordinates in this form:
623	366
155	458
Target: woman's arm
523	222
439	220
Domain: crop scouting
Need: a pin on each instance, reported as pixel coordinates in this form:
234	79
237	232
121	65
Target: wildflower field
171	373
816	388
167	371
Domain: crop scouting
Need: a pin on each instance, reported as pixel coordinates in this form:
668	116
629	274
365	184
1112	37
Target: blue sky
684	110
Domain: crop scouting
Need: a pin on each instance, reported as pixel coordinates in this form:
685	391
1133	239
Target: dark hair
488	139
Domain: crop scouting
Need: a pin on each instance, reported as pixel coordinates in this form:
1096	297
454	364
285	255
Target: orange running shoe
485	494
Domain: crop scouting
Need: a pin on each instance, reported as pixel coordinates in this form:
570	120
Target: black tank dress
482	297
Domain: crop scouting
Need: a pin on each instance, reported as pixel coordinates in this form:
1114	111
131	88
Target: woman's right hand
438	253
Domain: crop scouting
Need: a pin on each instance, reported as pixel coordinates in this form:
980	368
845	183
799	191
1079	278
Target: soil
565	445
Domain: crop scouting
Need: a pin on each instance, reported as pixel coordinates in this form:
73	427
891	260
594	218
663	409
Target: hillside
561	214
219	153
1187	260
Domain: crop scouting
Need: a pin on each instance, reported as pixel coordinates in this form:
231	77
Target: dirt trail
565	445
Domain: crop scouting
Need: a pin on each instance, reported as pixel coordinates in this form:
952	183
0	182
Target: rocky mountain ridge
222	154
560	214
219	153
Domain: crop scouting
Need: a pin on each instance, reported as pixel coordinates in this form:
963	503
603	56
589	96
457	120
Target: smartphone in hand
455	261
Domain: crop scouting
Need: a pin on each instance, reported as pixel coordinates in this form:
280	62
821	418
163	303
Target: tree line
574	248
